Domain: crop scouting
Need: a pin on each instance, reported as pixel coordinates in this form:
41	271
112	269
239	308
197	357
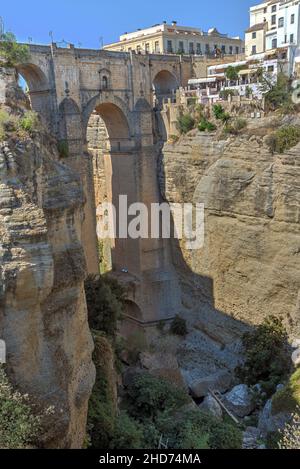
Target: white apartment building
275	25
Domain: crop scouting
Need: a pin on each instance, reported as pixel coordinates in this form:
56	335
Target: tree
232	73
12	53
266	357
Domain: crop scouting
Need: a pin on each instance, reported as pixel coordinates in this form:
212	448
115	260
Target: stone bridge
99	105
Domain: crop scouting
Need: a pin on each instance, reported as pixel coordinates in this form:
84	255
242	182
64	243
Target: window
104	82
138	49
181	47
285	38
169	47
253	35
270	68
280	22
156	46
292	18
274	8
237	50
147	47
274	43
191	48
223	49
292	38
198	49
207	50
230	50
265	10
273	20
253	50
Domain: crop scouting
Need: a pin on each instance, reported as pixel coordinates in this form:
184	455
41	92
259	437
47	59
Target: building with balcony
174	39
275	26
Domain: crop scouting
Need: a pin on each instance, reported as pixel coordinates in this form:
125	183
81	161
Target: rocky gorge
247	269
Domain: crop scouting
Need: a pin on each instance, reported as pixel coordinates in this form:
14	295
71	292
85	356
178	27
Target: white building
275	25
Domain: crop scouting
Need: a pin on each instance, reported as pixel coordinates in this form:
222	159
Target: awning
198	81
226	65
248	71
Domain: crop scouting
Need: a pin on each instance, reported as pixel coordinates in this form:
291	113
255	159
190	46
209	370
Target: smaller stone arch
165	84
34	77
132	310
38	92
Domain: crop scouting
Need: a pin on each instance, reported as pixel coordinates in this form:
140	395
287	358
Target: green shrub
148	396
224	94
218	111
7	123
288	398
11	52
128	433
63	148
266	358
220	114
206	125
235	126
105	303
276	94
248	91
134	345
178	326
195	429
185	123
29	122
19	426
284	139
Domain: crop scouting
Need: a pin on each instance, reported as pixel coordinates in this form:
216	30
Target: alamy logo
2	352
159	221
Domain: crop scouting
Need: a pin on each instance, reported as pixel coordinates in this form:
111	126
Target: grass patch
288	398
185	123
283	139
63	148
206	125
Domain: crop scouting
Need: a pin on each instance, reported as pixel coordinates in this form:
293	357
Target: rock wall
249	265
43	316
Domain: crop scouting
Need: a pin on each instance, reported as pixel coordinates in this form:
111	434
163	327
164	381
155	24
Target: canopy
198	81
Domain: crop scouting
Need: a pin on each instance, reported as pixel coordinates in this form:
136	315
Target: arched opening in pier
35	84
164	86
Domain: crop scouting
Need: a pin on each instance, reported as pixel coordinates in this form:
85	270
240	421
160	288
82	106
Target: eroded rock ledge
43	316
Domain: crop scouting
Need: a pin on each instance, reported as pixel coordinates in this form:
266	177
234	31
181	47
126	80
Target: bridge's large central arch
114	174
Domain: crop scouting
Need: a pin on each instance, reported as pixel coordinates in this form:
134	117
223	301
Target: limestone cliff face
249	265
43	316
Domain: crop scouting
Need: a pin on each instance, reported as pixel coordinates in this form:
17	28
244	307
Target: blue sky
85	21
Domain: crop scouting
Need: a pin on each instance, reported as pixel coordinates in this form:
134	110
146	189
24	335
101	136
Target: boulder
240	400
268	422
210	405
251	438
296	357
219	381
296	344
